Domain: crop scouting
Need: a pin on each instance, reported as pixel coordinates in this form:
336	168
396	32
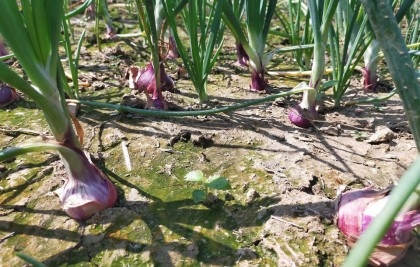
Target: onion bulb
143	79
8	95
86	190
303	114
356	209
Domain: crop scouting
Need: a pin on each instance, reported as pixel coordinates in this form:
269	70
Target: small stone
251	195
382	134
331	130
98	85
281	137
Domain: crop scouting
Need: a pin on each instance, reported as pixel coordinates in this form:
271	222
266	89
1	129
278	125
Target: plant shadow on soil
158	214
193	229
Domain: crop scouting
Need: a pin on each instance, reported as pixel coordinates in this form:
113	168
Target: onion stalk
371	54
72	59
100	7
321	13
203	112
35	45
406	195
151	15
413	34
253	40
238	8
349	42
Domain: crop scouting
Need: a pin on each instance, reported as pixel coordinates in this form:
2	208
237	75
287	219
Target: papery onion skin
93	198
86	190
8	95
143	79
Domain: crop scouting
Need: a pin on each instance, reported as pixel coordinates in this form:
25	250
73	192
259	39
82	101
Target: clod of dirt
192	250
98	85
183	136
331	130
203	141
131	100
229	197
280	102
211	199
382	134
111	137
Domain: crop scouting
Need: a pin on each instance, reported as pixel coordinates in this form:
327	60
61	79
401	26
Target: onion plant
97	9
349	39
152	79
32	29
321	13
371	55
294	19
412	36
406	195
8	95
238	8
370	69
254	37
204	27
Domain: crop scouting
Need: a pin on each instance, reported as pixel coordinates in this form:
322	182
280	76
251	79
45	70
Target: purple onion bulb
8	95
356	209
